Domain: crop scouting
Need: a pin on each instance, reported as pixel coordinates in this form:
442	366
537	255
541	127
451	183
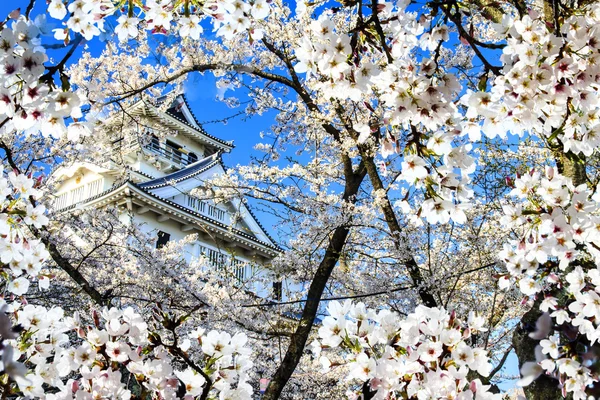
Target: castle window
173	153
192	158
163	239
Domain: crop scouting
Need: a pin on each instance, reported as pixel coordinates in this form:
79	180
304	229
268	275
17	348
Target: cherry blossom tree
436	161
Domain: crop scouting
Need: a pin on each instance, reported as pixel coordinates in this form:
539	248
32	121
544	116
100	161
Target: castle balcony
170	157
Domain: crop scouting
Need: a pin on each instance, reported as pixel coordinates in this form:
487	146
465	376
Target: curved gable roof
188	172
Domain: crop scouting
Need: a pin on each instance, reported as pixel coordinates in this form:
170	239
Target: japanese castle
161	172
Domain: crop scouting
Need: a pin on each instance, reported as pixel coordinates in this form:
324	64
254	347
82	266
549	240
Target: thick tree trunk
573	167
543	388
299	337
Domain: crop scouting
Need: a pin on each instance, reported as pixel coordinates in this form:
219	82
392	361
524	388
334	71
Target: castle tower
162	168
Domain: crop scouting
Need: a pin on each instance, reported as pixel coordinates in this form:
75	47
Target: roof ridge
127	182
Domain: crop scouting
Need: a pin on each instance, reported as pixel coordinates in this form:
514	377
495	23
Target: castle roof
128	189
180	117
189	178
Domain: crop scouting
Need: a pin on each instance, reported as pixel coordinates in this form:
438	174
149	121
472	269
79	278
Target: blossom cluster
425	355
414	96
412	99
22	257
29	102
229	17
553	73
118	343
556	257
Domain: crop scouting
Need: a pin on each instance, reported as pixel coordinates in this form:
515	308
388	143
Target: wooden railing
170	153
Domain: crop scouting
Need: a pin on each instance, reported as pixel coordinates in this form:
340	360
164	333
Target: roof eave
128	188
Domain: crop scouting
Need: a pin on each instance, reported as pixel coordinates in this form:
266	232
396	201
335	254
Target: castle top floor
171	141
